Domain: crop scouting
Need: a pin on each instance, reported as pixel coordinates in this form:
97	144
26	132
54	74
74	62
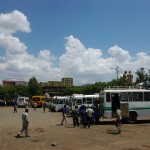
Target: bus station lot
46	133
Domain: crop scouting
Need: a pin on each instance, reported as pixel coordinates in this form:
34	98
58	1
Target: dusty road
45	129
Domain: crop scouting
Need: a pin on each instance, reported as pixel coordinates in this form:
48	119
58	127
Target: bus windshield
36	99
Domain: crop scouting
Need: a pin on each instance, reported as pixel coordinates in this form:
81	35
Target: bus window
61	101
35	99
137	96
124	97
101	97
84	100
130	96
79	101
67	102
107	97
89	100
146	96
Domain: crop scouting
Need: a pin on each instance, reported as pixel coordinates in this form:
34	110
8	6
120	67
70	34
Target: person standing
15	107
125	78
25	123
44	106
82	112
129	79
75	116
64	117
35	105
96	114
89	113
118	122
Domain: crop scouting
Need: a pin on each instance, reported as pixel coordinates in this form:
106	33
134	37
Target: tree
22	90
141	75
33	87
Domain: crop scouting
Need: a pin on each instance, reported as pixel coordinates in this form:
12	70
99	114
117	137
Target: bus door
101	104
115	102
79	102
124	105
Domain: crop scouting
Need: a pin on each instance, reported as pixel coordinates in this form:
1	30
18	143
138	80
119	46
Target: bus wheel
132	117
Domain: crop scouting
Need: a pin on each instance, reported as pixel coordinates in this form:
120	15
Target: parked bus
39	100
58	102
87	100
23	101
133	102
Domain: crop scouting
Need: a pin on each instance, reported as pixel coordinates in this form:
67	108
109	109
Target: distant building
14	82
56	88
53	88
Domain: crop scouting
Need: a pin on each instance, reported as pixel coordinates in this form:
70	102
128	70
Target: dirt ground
45	130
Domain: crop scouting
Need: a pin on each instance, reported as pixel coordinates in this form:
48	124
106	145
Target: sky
86	40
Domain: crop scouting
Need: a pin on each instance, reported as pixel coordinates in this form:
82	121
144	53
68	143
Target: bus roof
37	96
23	97
125	90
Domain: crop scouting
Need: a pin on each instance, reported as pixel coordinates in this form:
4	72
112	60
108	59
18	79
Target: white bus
133	102
23	101
58	102
86	100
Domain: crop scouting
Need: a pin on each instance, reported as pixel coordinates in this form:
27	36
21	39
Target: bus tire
132	117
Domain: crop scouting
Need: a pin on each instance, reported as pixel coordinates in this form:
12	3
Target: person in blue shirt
82	111
64	117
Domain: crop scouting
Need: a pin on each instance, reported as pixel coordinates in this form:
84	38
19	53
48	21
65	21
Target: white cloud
119	54
84	64
46	55
87	65
12	44
14	21
16	62
9	24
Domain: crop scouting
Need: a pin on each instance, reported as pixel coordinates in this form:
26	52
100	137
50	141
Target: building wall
56	88
14	82
64	82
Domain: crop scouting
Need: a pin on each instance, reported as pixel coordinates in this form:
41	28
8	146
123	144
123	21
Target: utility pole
117	71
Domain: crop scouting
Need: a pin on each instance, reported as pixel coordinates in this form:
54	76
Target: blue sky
83	39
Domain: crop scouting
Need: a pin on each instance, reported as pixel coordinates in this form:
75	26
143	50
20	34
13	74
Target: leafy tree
22	90
73	90
141	75
33	87
2	92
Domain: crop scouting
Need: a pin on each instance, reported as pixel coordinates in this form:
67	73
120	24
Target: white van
23	101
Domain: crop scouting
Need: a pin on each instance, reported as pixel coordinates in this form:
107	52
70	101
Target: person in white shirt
25	123
89	113
118	122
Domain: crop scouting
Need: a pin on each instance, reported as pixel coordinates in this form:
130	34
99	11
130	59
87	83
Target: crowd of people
83	115
87	115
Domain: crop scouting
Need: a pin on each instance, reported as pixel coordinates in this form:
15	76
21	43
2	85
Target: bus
133	102
58	102
39	100
86	100
23	101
